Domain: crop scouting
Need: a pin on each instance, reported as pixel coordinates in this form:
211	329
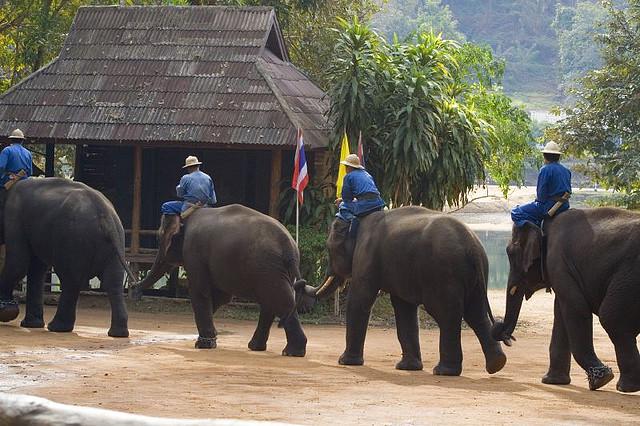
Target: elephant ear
532	246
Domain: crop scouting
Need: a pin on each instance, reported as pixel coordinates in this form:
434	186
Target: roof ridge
276	92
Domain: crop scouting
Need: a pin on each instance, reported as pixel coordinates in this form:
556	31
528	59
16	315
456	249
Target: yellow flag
342	169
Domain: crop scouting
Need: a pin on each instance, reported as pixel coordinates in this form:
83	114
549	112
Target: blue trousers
173	207
532	212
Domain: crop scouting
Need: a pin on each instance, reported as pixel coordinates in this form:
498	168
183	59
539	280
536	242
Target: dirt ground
158	372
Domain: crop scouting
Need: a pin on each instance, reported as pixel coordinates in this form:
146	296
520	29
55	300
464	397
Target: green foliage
313	253
576	27
603	124
430	112
405	18
315	211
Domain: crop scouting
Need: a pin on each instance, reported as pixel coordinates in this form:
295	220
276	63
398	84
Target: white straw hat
352	160
190	161
551	148
16	134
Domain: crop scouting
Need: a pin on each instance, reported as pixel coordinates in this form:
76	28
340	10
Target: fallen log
25	410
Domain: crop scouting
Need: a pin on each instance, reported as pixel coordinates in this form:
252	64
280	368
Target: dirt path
157	372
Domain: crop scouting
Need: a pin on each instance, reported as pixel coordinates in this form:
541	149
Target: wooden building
137	89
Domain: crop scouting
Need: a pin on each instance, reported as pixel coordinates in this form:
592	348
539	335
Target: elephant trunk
159	268
331	284
502	330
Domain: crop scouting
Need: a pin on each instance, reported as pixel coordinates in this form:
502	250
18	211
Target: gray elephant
592	263
65	224
234	250
419	257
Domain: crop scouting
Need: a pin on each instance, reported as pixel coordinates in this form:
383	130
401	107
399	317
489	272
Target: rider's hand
338	201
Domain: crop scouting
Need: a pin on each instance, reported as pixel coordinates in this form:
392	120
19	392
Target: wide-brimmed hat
352	160
551	148
191	161
16	134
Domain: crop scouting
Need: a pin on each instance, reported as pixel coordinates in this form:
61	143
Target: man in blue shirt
195	187
554	180
360	196
15	160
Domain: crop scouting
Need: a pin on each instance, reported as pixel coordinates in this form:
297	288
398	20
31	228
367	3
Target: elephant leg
578	321
559	351
449	321
112	281
261	335
296	339
65	317
408	334
33	317
218	299
619	317
360	300
202	303
16	265
477	318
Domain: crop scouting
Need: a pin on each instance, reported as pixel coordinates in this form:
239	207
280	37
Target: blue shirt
14	158
356	183
197	187
554	180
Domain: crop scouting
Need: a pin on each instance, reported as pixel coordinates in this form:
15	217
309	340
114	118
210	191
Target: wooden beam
50	158
137	199
276	177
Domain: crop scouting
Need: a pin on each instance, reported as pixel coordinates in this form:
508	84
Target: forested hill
545	43
520	31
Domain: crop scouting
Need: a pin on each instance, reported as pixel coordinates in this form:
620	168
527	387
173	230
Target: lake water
495	243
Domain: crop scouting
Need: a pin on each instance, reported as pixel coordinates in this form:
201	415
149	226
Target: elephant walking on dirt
592	263
234	250
65	224
419	257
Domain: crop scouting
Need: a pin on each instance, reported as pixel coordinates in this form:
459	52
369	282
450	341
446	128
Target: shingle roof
167	75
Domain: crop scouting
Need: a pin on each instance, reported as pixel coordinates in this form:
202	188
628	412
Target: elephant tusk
324	286
513	290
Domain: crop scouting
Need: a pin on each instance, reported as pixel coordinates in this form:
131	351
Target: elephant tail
112	229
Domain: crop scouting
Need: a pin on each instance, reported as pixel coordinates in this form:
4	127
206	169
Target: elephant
592	264
72	227
234	251
419	257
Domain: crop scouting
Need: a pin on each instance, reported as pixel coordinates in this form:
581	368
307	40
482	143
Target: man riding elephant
360	195
15	164
554	186
195	189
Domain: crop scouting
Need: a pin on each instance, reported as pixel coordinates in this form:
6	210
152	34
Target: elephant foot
257	346
552	378
9	310
32	323
292	350
118	332
206	343
442	370
628	384
599	376
59	326
409	363
495	363
346	359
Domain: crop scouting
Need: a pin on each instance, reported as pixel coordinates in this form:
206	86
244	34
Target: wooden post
137	199
276	177
49	162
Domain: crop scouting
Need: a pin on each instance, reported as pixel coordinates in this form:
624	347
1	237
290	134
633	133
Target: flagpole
297	217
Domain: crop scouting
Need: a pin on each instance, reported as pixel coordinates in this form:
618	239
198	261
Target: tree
425	109
405	18
602	126
576	27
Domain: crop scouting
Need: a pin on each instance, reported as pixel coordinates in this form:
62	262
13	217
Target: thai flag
300	175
